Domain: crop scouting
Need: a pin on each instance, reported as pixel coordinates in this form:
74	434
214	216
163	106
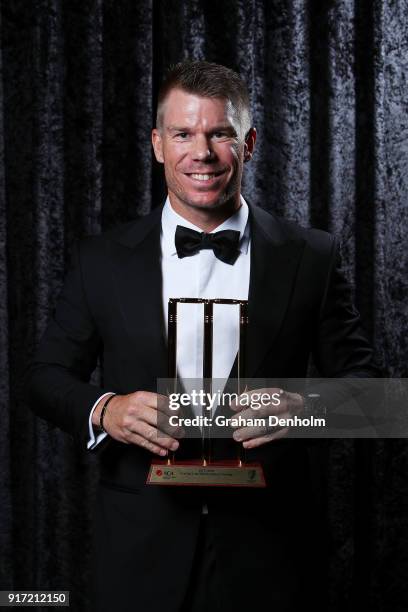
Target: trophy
205	471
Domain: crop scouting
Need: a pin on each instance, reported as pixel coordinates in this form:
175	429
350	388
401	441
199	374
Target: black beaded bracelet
101	427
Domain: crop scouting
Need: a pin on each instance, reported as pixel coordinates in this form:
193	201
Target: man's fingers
259	401
163	405
158	420
246	433
137	439
264	432
262	413
255	442
263	428
152	435
152	400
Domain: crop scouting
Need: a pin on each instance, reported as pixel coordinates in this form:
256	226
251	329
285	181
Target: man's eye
219	134
182	135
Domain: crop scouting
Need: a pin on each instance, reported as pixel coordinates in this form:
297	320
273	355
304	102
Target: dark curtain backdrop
78	83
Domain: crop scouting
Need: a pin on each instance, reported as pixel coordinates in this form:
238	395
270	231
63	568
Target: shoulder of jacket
126	234
317	240
98	241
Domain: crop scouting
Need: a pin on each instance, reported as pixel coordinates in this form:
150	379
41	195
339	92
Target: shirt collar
170	219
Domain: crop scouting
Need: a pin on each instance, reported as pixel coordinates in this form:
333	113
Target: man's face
203	150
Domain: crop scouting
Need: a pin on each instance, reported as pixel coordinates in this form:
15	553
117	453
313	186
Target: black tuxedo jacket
111	307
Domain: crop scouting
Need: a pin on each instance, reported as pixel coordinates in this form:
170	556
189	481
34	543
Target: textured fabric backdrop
78	83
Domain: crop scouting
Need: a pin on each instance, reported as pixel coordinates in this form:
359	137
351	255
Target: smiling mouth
201	176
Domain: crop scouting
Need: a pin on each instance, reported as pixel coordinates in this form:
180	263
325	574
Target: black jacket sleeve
57	382
340	347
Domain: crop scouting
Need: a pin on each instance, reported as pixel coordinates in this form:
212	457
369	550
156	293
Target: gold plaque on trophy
216	474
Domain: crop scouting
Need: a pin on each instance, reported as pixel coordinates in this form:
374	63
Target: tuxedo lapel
274	263
136	267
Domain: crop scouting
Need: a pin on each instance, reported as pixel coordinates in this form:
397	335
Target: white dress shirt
201	275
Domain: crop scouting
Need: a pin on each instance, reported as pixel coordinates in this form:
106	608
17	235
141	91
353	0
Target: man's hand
133	419
283	404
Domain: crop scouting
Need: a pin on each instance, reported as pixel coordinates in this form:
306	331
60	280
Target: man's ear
249	146
157	145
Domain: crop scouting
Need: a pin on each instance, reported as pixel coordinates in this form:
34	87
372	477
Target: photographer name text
240	421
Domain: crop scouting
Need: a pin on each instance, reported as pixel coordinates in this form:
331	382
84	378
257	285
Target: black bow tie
224	243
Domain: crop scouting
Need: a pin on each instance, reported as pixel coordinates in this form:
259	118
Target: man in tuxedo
184	548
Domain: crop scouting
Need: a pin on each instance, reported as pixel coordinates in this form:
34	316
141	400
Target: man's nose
202	149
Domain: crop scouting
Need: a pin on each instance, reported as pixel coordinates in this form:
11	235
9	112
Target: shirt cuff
94	441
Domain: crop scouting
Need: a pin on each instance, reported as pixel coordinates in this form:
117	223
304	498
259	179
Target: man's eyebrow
224	128
217	128
174	128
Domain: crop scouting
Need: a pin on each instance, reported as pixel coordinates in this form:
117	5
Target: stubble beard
224	198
